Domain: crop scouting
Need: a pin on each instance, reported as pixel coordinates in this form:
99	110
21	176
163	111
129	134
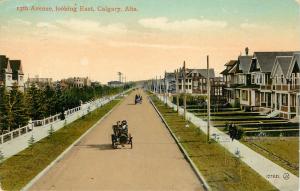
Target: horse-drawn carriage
121	135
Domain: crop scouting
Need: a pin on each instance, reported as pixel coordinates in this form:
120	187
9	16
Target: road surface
154	163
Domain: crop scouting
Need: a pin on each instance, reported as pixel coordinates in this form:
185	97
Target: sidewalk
273	173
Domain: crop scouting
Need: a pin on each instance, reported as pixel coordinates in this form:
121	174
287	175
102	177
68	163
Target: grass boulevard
221	169
18	170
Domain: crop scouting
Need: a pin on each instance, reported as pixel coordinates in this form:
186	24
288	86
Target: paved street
154	163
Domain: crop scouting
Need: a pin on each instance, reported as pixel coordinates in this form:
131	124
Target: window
244	95
282	81
260	78
284	99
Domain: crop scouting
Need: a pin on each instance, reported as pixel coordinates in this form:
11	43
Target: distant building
95	84
115	84
11	73
78	82
39	82
170	81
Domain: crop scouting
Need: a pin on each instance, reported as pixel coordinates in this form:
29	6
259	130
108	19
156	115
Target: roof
203	72
114	82
233	70
284	62
266	60
225	72
244	64
231	62
16	66
170	75
3	66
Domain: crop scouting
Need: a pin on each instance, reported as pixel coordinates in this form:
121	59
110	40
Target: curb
189	160
61	156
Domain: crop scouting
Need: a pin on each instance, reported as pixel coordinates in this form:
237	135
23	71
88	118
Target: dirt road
154	163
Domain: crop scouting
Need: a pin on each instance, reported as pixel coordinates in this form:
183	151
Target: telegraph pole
184	91
177	92
159	84
165	82
208	100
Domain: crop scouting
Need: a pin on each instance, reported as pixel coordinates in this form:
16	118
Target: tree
3	109
34	99
17	108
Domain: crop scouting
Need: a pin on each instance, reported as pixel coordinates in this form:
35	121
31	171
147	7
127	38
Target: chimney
247	51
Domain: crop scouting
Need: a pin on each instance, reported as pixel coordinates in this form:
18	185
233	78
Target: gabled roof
16	66
225	72
244	64
295	60
231	63
282	62
233	70
266	60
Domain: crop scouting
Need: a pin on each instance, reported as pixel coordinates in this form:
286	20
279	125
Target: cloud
46	25
149	45
21	22
249	26
91	26
163	23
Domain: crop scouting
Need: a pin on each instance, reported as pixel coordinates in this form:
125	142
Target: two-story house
285	77
261	67
195	80
11	73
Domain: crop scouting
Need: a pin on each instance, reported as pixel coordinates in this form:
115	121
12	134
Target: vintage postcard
149	95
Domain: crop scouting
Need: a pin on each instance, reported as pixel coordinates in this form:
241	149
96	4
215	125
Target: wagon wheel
113	142
131	145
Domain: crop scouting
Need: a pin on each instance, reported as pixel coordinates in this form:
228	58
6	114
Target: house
195	80
39	82
261	67
78	82
115	84
11	73
229	80
266	81
285	86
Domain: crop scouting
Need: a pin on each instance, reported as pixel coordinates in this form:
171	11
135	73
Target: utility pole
165	82
177	91
156	84
184	91
159	84
208	100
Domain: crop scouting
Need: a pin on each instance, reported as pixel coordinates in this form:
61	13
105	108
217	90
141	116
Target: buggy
120	135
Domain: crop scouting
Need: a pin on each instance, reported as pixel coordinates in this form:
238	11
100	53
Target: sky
143	42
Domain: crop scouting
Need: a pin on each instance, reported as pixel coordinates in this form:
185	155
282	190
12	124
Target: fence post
19	131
